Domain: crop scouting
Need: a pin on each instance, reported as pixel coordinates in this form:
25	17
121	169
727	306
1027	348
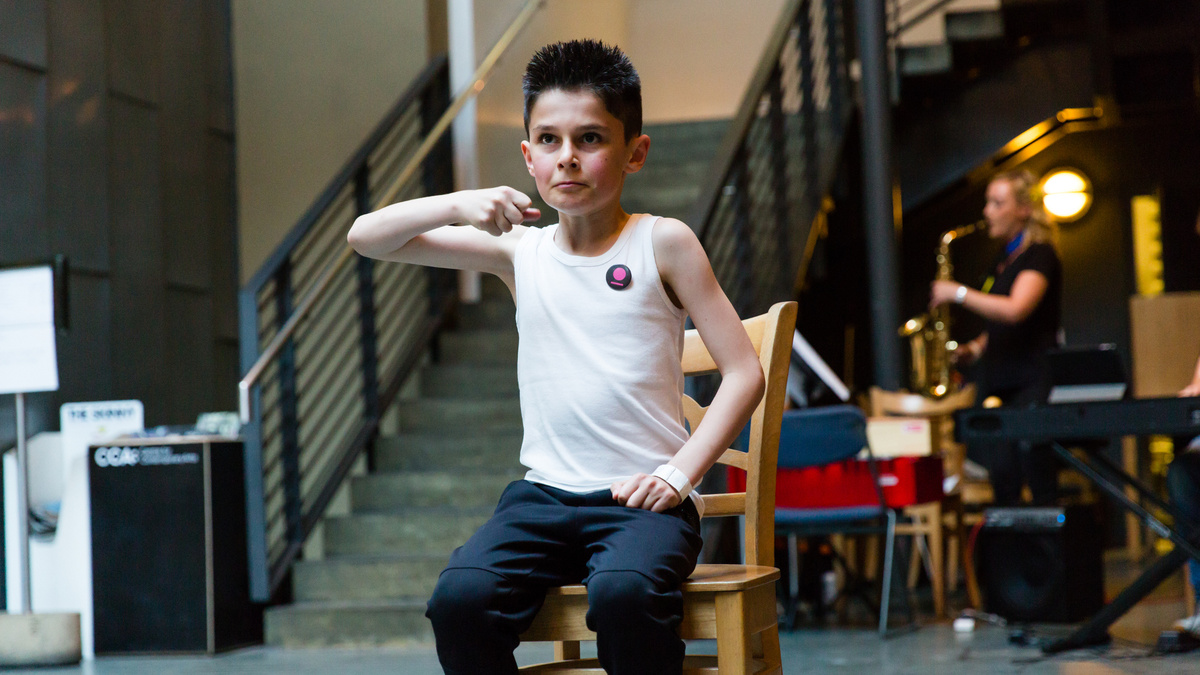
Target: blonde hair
1039	228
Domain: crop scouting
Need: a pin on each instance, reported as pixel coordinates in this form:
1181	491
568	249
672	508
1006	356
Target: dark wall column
877	189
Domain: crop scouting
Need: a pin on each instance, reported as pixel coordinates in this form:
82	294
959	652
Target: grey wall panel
23	31
138	280
133	31
77	139
24	233
183	122
85	351
226	374
221	212
218	63
190	360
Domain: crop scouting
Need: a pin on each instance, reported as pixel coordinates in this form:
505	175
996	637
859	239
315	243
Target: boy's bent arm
415	231
684	266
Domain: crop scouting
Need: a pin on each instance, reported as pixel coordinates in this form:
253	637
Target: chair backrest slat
771	335
735	458
725	504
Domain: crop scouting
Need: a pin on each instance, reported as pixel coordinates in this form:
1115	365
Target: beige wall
695	58
311	79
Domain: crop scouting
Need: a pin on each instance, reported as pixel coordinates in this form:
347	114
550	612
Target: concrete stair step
679	207
402	531
489	450
348	624
926	59
491	313
459	417
388	491
367	578
676	139
688	173
479	346
975	25
469	380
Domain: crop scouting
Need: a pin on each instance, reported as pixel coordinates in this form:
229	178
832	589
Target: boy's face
577	152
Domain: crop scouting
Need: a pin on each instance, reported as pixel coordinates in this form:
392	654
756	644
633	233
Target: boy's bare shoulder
673	238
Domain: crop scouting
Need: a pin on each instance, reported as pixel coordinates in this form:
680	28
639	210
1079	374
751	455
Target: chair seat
562	615
786	516
710	578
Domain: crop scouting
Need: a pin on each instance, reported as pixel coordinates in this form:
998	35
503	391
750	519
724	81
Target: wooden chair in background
929	521
733	604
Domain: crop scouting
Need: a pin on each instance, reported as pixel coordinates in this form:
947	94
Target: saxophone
929	334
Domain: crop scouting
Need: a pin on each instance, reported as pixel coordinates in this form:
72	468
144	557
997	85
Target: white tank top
598	364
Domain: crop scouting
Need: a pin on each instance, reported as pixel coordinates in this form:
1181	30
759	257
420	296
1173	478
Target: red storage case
905	481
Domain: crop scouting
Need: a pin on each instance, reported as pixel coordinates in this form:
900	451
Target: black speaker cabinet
169	565
1042	564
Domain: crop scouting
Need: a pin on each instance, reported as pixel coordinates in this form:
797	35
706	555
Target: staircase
438	480
974	77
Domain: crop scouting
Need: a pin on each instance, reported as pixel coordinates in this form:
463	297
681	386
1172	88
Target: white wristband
960	294
675	478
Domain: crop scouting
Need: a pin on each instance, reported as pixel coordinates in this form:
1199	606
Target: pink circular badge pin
619	277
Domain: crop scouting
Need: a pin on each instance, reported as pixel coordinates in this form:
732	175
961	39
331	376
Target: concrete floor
932	649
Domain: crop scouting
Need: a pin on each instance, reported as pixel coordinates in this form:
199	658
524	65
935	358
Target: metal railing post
289	418
779	183
252	454
835	56
808	104
437	177
366	313
743	244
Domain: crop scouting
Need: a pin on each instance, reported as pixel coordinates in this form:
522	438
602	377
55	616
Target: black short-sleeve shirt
1016	352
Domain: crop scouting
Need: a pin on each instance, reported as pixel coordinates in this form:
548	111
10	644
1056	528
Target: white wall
311	79
695	58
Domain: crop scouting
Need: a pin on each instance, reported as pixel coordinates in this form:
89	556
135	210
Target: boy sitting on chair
601	298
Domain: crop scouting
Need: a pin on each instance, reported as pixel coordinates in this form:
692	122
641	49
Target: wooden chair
927	521
733	604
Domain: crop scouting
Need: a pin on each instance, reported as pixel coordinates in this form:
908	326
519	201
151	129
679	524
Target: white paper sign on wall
28	360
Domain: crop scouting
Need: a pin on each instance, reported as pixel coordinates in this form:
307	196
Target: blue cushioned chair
813	437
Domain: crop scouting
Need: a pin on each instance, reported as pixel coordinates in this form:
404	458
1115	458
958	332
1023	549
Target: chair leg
733	642
937	577
888	553
566	651
767	649
956	543
922	558
793	581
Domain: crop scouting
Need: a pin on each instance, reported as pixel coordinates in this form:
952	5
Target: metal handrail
478	82
925	13
762	199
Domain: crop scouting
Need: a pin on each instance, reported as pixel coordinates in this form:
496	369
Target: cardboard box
899	437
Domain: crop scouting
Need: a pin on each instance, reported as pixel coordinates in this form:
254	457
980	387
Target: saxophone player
1020	304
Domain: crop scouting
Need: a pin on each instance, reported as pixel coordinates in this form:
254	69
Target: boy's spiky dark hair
587	65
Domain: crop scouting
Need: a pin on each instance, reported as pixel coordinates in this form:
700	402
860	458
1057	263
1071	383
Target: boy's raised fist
496	210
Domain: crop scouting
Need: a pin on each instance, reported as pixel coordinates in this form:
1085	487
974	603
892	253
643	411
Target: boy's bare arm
415	231
684	266
1193	388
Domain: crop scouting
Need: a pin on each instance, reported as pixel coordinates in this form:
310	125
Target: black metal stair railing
315	407
764	197
327	337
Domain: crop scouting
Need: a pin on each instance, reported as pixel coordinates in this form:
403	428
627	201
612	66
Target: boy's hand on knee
647	492
496	210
